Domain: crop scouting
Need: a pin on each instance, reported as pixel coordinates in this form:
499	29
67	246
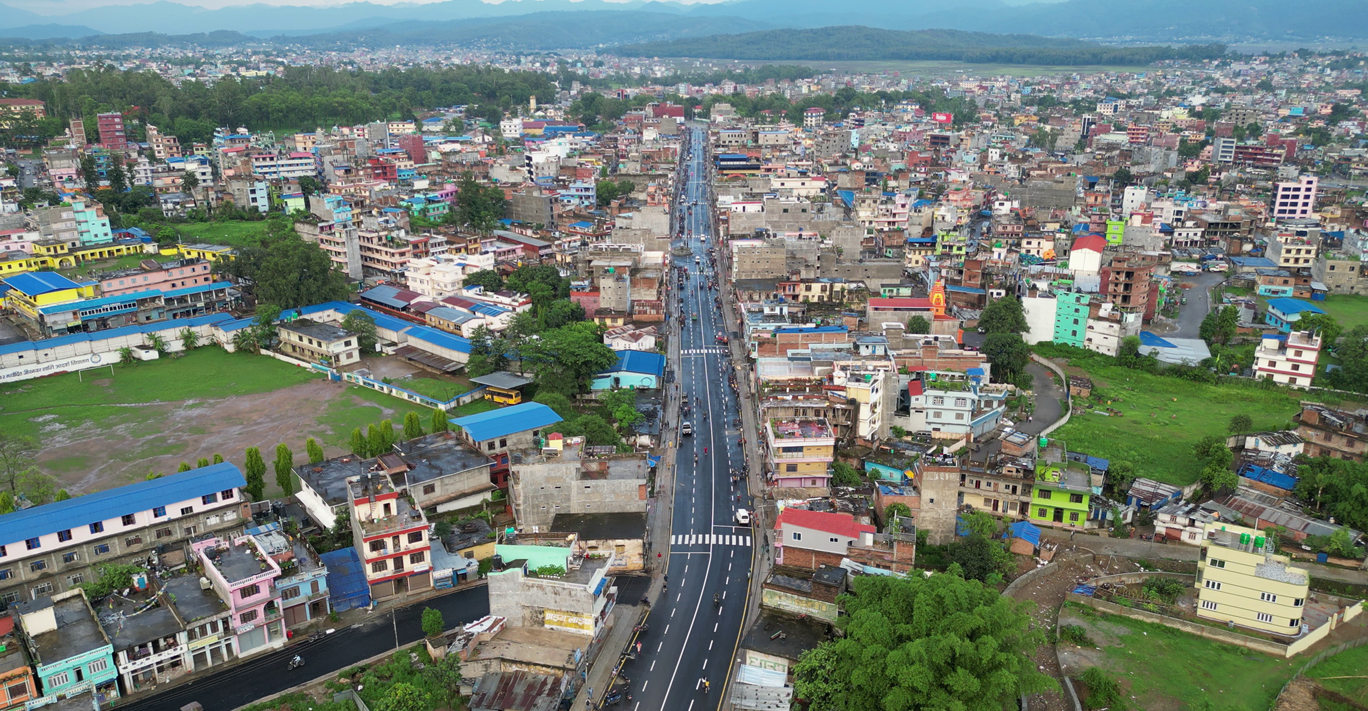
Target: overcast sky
65	7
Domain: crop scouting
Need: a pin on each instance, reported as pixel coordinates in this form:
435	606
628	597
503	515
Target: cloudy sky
66	7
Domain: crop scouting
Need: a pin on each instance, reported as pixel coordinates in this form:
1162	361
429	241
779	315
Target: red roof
1092	243
914	388
900	303
840	524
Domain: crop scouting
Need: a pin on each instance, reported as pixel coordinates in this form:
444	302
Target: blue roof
346	579
384	294
175	324
965	289
639	362
441	339
507	420
1149	339
1254	262
847	197
1293	306
1268	476
1026	531
104	505
34	283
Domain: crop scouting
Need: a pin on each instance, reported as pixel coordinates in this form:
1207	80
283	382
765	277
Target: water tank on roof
1044	442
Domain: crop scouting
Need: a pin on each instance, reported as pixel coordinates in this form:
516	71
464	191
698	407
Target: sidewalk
604	667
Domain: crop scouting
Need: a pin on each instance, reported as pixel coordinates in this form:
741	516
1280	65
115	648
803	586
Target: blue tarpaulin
347	586
1026	531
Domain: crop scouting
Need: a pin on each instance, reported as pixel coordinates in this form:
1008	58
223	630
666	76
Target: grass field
124	262
1163	669
1351	663
233	234
1349	310
1162	417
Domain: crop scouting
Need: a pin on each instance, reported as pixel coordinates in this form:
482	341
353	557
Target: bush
1103	691
1164	590
1074	634
433	624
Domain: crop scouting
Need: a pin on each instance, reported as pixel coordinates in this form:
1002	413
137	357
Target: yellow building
32	291
60	255
1241	580
801	451
207	252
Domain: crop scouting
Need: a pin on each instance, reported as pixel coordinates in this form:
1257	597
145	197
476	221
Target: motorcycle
296	663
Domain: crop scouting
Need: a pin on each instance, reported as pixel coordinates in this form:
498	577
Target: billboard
940	117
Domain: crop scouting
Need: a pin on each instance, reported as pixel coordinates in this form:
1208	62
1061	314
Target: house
17	684
1150	494
207	620
621	533
516	691
31	291
1241	580
497	432
1333	433
69	650
316	342
303	581
770	650
1288	359
60	545
566	477
553	587
391	534
244	576
630	338
810	539
636	370
802	591
147	635
441	472
799	451
1062	490
1283	312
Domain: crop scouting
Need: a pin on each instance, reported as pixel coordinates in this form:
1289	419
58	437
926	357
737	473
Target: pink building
244	576
151	274
1295	199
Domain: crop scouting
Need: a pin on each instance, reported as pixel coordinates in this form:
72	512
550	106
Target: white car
686	429
742	517
1217	267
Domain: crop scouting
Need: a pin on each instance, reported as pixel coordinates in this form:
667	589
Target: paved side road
263	675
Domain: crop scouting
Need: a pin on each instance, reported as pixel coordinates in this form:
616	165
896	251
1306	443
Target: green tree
981	558
189	339
284	470
413	427
922	644
1004	315
6	502
62	495
1120	475
90	174
433	624
218	458
1324	324
896	508
486	278
16	456
387	434
439	421
118	179
1123	177
1239	424
558	402
1103	691
479	206
362	325
375	441
565	359
255	473
446	675
918	325
314	450
202	462
981	523
285	271
184	467
403	696
842	474
1008	355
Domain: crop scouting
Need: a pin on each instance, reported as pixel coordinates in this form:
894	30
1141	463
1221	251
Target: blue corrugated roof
130	298
197	289
104	505
507	420
34	283
639	362
384	294
1149	339
1268	476
441	339
965	289
1293	306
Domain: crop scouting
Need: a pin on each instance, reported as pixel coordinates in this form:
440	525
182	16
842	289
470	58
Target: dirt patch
1300	695
158	437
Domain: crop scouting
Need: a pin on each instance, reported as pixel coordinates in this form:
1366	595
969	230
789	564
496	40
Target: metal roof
34	283
639	362
104	505
507	420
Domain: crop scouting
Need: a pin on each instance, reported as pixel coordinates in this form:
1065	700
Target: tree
284	470
433	624
1120	475
843	474
90	174
403	696
488	279
375	441
118	179
1123	177
184	467
362	325
6	502
446	675
285	271
1008	355
386	435
1005	315
62	495
189	339
557	402
896	508
189	181
1325	324
1219	326
16	456
479	206
981	558
255	473
218	458
438	424
314	451
981	523
1103	691
923	643
918	325
1217	459
413	427
202	462
564	359
1353	354
1239	424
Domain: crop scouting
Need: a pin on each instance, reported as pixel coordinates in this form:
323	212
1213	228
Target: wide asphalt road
692	639
266	673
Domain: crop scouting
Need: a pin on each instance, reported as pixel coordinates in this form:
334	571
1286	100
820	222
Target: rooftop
507	420
800	428
602	526
328	478
192	602
128	624
238	560
782	635
402	515
437	455
77	631
325	332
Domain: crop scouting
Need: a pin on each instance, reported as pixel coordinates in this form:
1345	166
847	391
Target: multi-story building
1333	433
1341	273
151	274
391	534
163	146
70	652
250	194
17	684
16	107
578	599
812	539
1126	282
951	405
303	581
1289	250
1295	199
1288	359
1108	325
136	308
995	481
1062	489
566	479
78	223
60	545
112	134
799	452
1240	580
316	342
244	576
1071	318
507	429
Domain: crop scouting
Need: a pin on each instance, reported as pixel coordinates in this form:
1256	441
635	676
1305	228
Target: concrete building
391	535
799	452
498	432
552	587
1333	433
303	581
1108	325
69	651
811	539
567	479
441	472
112	135
1295	199
1288	359
17	684
316	342
244	576
1242	581
1071	318
1062	489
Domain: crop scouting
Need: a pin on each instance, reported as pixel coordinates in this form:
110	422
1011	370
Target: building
244	576
391	535
17	684
440	472
79	222
60	545
70	653
17	107
799	451
207	620
1288	359
1333	433
1241	580
1283	312
559	588
635	370
811	539
316	342
151	274
303	581
1295	199
250	194
28	293
498	432
570	479
111	127
1062	489
1071	318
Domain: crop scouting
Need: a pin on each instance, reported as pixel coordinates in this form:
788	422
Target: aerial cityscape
683	356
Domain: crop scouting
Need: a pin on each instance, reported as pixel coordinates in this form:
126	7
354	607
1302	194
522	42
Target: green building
1071	318
1062	489
1115	230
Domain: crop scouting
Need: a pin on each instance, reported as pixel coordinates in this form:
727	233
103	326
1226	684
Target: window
250	590
797	536
42	589
1073	517
1216	563
226	494
164	533
187	510
429	489
489	446
70	557
209	498
75	579
1075	498
97	527
133	541
159	512
416	558
3	552
1044	494
503	442
33	543
377	546
378	566
58	680
6	573
1268	597
1263	617
835	540
290	593
248	616
1208	605
189	531
17	691
1040	513
130	520
415	537
37	565
1298	602
1213	584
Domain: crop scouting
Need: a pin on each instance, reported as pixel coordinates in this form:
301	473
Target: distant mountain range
1121	20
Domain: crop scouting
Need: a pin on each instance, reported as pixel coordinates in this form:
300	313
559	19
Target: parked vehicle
742	517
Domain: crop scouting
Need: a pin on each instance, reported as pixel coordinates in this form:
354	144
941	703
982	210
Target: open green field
1352	669
233	234
1160	418
1349	310
1163	669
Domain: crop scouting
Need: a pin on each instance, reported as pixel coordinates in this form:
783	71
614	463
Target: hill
868	43
46	32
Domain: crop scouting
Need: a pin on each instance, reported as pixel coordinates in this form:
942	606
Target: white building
1288	359
1295	199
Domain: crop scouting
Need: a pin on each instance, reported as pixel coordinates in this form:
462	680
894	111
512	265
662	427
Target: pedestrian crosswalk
710	539
702	351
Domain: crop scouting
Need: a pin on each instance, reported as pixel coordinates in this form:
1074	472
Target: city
468	376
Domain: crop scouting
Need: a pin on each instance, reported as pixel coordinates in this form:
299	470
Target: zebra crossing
710	539
702	351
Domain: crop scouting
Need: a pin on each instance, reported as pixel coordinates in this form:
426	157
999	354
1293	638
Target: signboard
766	661
940	117
38	370
568	621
